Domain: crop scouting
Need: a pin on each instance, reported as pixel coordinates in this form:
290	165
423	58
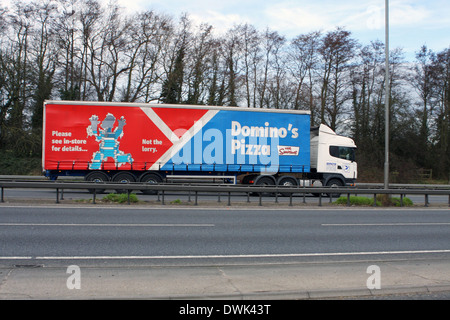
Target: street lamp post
387	98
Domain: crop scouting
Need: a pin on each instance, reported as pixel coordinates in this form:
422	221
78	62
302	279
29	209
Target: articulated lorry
151	143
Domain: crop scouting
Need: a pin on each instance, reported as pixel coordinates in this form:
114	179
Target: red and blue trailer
137	142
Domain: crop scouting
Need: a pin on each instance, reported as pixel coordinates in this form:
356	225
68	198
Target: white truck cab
332	157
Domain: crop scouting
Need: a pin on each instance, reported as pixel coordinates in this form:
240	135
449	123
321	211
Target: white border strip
178	143
173	106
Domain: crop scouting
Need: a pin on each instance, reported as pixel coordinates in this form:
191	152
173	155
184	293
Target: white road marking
236	207
386	224
293	255
107	225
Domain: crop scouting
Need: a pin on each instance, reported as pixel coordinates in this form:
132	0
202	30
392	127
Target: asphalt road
190	252
122	231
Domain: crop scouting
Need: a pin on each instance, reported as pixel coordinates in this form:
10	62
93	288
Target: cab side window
345	153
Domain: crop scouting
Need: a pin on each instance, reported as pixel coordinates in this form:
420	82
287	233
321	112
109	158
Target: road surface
185	252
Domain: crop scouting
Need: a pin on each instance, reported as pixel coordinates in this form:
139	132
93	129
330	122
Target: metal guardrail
359	185
161	189
403	186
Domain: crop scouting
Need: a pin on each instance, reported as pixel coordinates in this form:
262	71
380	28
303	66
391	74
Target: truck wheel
98	177
150	178
334	183
286	181
123	177
264	181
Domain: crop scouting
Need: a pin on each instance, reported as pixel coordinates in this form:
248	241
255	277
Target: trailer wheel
286	181
150	178
123	177
98	177
265	181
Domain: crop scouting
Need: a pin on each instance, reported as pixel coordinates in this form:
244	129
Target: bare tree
337	51
68	35
367	79
303	57
215	74
198	64
441	124
89	15
251	44
3	75
106	48
423	81
232	53
147	35
277	73
174	63
15	63
43	53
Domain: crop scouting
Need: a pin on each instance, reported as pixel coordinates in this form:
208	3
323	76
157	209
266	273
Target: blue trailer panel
246	141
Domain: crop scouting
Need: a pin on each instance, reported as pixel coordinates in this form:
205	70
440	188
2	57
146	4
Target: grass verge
120	198
381	201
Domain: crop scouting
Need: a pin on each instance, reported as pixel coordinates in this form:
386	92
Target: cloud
402	13
301	16
221	22
411	21
407	14
295	19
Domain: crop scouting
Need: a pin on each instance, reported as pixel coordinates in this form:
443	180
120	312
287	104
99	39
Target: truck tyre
334	183
150	178
264	181
286	181
98	177
123	177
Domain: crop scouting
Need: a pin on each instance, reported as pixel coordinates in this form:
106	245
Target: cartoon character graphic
108	141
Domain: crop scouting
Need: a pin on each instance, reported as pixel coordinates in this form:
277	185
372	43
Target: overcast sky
413	23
